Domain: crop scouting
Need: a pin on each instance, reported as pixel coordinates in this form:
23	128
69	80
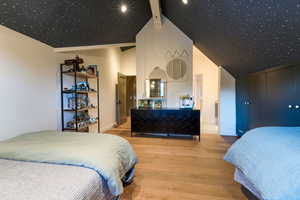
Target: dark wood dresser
167	121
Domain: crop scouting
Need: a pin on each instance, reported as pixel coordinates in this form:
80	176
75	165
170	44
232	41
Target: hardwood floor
181	169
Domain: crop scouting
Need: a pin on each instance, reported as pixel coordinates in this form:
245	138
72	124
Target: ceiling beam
94	47
156	12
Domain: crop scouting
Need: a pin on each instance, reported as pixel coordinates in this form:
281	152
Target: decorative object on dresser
186	102
166	121
152	103
79	98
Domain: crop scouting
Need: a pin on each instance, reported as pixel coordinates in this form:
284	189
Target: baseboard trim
228	134
209	128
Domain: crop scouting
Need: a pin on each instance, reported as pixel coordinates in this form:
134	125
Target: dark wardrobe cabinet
268	98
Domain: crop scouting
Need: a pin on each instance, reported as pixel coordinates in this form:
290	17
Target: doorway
121	99
130	94
206	91
125	97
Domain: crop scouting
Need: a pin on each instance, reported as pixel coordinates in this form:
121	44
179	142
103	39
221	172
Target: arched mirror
156	84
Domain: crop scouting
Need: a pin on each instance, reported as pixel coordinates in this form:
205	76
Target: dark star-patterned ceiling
241	35
63	23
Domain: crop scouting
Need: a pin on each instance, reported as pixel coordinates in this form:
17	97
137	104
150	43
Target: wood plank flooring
181	169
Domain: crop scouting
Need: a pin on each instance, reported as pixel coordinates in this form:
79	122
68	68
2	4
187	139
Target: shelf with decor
79	96
81	110
80	92
80	128
81	75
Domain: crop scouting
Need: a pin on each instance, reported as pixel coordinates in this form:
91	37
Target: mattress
36	181
241	178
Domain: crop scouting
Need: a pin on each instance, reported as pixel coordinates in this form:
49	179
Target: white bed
242	179
35	181
65	166
267	162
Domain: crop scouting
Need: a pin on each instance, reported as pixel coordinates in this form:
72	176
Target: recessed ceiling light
123	8
185	2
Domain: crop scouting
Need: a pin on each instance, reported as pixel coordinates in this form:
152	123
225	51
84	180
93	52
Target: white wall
155	48
206	90
28	99
128	62
30	84
227	103
110	66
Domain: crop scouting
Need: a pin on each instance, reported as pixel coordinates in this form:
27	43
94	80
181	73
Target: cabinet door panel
281	94
258	111
297	83
242	102
297	95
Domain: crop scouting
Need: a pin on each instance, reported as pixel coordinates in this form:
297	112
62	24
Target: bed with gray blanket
267	162
65	166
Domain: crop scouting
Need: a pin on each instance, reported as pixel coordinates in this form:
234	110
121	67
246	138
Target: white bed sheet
240	178
36	181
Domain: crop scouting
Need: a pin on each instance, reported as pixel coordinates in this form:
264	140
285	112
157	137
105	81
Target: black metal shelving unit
72	70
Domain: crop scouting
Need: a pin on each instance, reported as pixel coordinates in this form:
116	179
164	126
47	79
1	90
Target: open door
130	93
121	99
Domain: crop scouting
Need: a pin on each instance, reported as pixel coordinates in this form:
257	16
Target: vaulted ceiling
63	23
241	35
